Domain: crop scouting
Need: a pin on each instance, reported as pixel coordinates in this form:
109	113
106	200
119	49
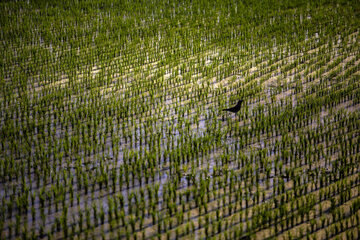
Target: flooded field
112	123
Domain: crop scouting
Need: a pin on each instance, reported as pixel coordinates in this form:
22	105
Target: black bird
236	108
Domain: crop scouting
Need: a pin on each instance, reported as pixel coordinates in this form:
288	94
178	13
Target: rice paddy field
111	121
